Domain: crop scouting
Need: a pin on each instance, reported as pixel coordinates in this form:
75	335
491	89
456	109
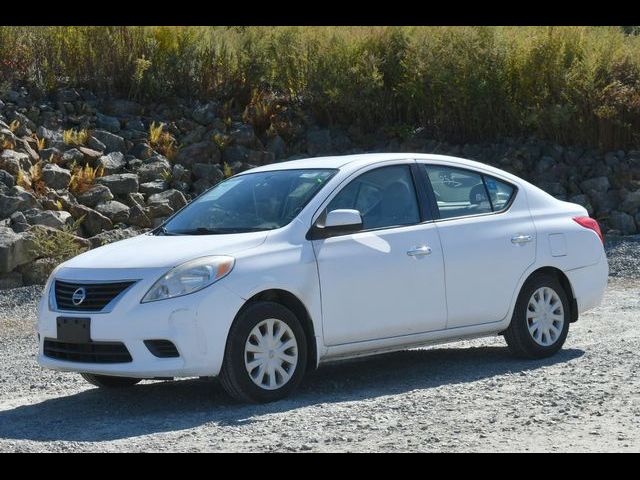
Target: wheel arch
566	285
293	303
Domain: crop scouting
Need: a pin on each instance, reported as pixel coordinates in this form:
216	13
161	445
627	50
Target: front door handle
520	239
420	251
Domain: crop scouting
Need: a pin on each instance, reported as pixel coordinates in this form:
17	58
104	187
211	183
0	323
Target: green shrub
566	84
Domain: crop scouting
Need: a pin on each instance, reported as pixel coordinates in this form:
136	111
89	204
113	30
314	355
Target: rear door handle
420	251
520	239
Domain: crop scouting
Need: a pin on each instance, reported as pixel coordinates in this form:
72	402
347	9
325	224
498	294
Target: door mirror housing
336	222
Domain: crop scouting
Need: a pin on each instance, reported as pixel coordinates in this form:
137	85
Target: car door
385	280
488	241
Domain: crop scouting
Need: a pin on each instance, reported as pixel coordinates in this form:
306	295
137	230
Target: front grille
162	348
91	352
97	295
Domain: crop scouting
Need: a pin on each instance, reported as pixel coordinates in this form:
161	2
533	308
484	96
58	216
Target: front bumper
197	324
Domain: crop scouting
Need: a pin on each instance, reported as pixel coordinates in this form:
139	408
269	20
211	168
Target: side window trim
434	203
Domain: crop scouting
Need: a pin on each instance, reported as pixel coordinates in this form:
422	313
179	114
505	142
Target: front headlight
190	277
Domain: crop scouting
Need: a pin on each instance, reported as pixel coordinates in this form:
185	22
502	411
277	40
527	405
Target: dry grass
75	137
162	141
83	178
32	180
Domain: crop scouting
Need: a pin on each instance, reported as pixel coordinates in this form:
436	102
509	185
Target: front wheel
540	321
108	381
266	354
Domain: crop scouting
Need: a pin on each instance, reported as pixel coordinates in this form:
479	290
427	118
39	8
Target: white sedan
283	267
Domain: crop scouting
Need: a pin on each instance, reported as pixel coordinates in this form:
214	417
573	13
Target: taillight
591	224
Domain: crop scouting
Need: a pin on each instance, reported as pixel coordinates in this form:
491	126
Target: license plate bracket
73	330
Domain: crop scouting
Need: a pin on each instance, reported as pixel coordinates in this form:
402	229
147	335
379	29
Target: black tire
520	341
235	378
108	381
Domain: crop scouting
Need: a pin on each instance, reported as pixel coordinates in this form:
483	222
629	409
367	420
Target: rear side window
460	193
499	192
385	197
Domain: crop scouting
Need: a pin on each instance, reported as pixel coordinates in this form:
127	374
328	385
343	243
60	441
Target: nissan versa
283	267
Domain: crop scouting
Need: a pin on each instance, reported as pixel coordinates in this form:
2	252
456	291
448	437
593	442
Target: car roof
353	162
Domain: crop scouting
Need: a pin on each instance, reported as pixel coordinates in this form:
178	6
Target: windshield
249	203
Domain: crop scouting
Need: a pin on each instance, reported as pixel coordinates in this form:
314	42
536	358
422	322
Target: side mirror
336	222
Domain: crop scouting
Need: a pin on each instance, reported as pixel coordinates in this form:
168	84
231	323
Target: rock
117	212
55	177
318	142
260	157
50	154
67	95
157	186
113	236
205	114
25	146
135	199
212	173
598	184
93	222
603	202
95	144
95	195
121	108
15	249
13	162
90	155
23	120
120	183
234	154
160	210
138	216
141	150
72	156
201	185
112	143
277	146
153	171
201	152
10	280
582	199
244	135
134	124
7	179
49	218
553	188
623	222
38	271
51	136
111	124
112	162
18	222
544	164
17	199
175	198
631	202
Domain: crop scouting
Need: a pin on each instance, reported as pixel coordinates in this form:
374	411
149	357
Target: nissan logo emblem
79	296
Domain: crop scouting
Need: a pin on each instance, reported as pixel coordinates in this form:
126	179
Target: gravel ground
465	396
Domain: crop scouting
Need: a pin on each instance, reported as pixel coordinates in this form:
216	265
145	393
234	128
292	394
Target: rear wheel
540	321
108	381
266	354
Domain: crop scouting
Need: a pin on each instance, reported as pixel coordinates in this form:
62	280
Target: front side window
461	193
250	202
385	197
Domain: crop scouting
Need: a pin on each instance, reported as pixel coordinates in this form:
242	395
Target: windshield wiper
161	231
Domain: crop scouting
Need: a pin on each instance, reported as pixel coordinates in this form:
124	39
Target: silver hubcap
545	316
271	354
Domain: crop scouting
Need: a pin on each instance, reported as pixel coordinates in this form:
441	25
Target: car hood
150	251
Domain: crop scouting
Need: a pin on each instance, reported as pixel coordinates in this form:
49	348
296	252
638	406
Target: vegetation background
565	84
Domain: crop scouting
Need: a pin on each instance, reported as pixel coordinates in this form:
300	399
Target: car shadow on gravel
95	415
